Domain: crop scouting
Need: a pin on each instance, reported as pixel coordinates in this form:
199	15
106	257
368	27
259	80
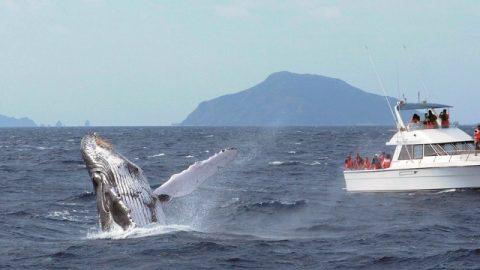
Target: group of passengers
381	161
431	119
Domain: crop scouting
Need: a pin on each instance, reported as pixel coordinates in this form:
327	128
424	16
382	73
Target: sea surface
280	205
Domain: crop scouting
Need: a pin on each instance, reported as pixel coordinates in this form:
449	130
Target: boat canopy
430	136
419	106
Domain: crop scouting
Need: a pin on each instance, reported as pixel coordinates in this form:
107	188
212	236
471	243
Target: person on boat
367	164
476	139
358	162
381	157
376	162
426	122
445	117
432	119
415	118
387	161
348	163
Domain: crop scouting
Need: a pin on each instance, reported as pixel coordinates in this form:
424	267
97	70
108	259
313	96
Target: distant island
290	99
6	121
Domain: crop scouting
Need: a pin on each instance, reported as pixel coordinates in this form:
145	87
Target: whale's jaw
123	195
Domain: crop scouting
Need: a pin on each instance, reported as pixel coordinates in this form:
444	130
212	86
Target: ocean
280	205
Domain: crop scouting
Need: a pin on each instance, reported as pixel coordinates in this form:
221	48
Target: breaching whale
123	194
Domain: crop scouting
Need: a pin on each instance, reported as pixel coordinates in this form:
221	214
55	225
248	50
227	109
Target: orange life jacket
386	163
476	135
348	163
367	164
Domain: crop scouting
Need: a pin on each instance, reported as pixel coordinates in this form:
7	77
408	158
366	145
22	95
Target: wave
63	215
21	213
283	163
150	230
85	196
157	155
446	191
70	161
274	205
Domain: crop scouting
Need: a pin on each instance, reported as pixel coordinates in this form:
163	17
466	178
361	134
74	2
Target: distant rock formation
87	123
6	121
290	99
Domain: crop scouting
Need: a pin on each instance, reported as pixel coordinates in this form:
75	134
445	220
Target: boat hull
413	179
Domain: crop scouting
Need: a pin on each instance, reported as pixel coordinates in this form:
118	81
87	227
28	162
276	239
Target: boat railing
459	153
421	126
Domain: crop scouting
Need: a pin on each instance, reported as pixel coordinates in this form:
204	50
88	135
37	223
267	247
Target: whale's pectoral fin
119	211
184	183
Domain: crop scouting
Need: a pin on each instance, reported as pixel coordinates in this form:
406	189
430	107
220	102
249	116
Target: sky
152	62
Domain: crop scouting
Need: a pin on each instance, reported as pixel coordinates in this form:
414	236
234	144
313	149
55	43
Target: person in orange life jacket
476	139
348	163
367	164
426	122
432	118
358	162
387	161
445	117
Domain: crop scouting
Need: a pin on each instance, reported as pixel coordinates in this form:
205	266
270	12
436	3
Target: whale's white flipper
184	183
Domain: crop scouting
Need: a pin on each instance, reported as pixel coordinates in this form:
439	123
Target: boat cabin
418	143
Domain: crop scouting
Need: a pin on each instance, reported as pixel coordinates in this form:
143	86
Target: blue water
280	205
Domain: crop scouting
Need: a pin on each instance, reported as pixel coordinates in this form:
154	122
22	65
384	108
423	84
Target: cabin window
429	151
439	149
454	148
406	153
449	148
465	147
469	146
418	152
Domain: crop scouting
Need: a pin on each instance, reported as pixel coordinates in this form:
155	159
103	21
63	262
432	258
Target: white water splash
150	230
275	163
64	215
446	191
157	155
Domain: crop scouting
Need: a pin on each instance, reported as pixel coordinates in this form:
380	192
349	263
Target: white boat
424	158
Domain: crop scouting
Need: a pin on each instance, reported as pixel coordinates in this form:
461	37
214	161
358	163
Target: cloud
316	10
237	9
308	9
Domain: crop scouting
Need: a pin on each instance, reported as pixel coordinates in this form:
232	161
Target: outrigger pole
380	82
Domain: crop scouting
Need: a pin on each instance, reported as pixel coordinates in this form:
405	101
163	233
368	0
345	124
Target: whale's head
121	190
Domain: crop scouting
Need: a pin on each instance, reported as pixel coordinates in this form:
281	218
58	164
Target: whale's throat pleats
135	193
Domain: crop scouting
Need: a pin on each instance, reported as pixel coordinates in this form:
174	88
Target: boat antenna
380	82
398	81
422	81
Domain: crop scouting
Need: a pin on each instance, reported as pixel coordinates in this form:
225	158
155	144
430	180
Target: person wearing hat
476	139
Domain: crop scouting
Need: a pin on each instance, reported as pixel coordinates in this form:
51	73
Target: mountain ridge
7	121
286	98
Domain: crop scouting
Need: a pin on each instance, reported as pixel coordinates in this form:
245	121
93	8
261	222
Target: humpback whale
123	195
